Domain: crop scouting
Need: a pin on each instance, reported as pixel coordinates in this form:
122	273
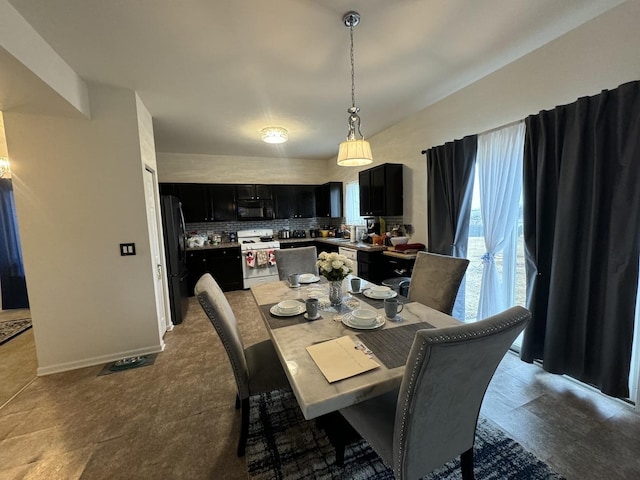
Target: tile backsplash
223	228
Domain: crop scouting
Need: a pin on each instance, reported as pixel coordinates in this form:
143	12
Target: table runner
392	345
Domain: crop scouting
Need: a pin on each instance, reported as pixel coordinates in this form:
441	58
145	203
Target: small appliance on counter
284	234
299	234
314	233
233	237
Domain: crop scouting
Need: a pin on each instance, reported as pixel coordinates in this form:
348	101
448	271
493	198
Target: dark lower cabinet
327	247
309	243
370	266
396	267
223	264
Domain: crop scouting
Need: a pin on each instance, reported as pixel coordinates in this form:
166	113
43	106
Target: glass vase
335	292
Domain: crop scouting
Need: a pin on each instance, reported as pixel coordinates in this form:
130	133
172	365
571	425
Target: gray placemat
374	302
392	345
279	322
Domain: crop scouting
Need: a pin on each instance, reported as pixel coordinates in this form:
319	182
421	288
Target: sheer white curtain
352	204
499	164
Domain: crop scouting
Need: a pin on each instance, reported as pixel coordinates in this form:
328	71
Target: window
352	204
496	277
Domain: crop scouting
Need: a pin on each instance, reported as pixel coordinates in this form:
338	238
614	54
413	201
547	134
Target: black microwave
255	210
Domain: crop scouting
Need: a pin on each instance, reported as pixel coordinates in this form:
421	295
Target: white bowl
307	277
289	306
399	240
364	316
379	289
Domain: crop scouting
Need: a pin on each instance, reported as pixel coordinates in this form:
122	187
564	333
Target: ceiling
214	73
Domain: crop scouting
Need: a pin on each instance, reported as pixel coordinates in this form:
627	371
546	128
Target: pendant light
354	151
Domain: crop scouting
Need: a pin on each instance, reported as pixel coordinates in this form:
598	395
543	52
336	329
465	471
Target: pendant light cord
353	74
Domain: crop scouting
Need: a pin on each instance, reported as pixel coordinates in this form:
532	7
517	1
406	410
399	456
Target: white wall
601	54
79	193
175	167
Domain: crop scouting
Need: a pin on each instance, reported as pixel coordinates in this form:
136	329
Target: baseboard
90	362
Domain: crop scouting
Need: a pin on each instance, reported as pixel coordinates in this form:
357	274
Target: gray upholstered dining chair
432	418
256	368
436	279
296	260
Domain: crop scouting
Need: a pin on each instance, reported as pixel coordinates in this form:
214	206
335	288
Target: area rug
11	328
283	445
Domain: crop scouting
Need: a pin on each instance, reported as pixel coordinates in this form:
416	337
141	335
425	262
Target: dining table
387	344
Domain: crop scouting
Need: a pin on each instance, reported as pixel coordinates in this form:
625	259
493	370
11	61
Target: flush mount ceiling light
354	151
4	167
274	135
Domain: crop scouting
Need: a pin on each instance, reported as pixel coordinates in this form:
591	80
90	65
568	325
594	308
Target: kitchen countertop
366	247
404	256
214	247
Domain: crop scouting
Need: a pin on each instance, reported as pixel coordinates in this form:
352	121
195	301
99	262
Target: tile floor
176	418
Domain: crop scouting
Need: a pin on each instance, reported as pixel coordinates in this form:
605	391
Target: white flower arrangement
334	266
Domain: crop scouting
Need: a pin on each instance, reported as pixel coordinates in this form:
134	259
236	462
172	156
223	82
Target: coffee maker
372	225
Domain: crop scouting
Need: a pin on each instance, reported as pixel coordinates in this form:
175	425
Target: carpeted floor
282	444
11	328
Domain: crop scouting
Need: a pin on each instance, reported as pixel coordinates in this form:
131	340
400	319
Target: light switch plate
127	249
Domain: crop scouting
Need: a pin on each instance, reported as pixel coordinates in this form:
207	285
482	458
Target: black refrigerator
176	256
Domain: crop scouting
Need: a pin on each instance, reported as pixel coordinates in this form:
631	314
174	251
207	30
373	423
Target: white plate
276	311
370	294
309	278
346	319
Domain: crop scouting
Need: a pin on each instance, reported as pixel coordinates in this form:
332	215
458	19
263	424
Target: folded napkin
410	246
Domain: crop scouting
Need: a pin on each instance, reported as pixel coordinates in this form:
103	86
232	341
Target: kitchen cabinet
309	243
253	192
329	200
202	202
392	267
223	264
326	247
381	190
369	266
294	201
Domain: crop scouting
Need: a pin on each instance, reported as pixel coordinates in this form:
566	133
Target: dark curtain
581	225
450	174
12	281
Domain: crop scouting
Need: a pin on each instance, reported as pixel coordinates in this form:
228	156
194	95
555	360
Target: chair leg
244	427
466	463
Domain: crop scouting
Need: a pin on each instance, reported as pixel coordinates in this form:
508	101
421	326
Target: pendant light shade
354	151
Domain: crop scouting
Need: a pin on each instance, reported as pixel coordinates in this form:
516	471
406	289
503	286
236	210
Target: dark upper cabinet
381	190
206	202
254	192
294	201
329	200
223	200
195	202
